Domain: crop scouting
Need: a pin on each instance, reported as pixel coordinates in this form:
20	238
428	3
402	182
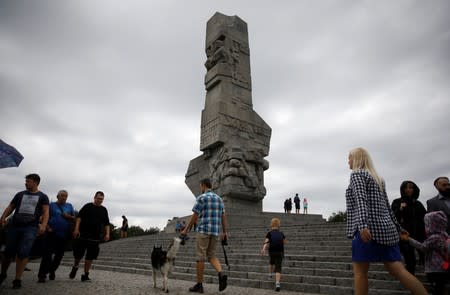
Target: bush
133	231
338	217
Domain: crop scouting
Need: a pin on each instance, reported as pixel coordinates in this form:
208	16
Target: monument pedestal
244	207
243	219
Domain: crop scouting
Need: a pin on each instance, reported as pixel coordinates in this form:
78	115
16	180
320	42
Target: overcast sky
107	95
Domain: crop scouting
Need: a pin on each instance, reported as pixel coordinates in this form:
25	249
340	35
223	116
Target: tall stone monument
234	138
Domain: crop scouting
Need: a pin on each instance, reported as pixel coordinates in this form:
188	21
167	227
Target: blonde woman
372	226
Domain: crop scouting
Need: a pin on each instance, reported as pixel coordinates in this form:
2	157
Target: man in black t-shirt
92	226
29	206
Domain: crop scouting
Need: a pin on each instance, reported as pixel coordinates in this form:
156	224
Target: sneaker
85	277
198	288
277	287
222	282
17	284
73	272
2	277
51	276
270	277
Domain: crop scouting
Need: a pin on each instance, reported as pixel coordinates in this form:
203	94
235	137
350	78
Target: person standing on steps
209	217
410	212
124	228
92	224
372	226
29	206
297	204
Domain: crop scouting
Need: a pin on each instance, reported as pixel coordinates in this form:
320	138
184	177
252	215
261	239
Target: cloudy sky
107	95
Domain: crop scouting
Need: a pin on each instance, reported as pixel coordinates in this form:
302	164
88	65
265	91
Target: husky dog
164	261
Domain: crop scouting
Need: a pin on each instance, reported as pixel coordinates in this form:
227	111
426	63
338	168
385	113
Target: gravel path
112	283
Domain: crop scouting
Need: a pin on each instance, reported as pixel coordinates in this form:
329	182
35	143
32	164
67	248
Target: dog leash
225	243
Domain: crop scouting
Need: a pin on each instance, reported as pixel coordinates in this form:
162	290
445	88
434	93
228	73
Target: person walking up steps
276	240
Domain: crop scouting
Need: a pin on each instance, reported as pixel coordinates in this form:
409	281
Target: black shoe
2	277
85	277
17	284
41	280
73	272
222	282
198	288
51	276
277	287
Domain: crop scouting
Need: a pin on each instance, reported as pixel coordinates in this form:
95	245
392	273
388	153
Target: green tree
340	216
152	231
133	231
114	232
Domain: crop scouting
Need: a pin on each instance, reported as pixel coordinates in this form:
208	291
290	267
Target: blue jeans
19	240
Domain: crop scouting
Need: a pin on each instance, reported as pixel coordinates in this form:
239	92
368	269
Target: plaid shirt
210	209
368	207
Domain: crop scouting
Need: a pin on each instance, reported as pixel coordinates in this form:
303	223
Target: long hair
363	161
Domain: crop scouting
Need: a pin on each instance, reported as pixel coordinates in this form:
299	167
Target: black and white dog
163	261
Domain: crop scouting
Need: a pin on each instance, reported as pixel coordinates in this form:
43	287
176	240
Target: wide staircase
317	260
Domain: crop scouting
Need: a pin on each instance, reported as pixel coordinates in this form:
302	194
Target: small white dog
163	261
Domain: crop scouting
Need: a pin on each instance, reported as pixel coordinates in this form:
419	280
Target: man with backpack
276	240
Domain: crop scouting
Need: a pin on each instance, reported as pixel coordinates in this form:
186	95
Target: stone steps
317	260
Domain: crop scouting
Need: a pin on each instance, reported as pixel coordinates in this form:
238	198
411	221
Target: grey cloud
102	95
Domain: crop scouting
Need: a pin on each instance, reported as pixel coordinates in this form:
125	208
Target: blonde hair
275	222
362	161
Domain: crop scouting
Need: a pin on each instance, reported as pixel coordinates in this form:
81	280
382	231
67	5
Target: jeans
53	254
20	240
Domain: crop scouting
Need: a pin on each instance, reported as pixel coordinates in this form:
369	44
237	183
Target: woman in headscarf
409	212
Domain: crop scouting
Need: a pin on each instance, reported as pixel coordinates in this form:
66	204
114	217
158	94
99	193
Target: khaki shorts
206	247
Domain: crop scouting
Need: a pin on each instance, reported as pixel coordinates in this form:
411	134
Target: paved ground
112	283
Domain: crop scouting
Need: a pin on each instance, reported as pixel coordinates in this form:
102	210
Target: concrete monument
234	138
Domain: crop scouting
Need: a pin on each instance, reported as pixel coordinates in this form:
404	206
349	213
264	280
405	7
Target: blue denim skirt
373	252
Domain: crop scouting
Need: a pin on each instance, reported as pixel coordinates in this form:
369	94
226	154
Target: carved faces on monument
239	169
227	51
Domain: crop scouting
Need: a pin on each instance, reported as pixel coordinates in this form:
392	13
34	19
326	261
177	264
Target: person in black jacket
410	212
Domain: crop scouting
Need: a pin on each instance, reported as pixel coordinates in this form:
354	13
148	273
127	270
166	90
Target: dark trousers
409	254
438	281
53	254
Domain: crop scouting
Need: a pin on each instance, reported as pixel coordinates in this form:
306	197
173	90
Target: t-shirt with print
28	207
93	221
